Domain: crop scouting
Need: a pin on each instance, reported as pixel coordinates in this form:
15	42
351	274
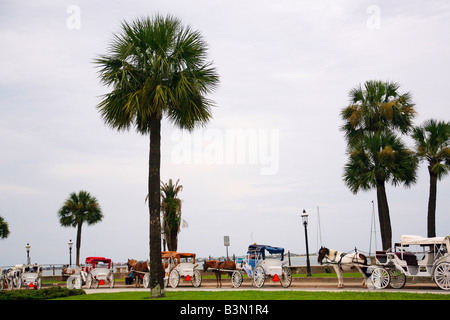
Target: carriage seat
381	256
410	258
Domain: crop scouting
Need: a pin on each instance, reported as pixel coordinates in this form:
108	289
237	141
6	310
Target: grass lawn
263	295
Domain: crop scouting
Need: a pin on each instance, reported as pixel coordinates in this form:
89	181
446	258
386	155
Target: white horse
344	262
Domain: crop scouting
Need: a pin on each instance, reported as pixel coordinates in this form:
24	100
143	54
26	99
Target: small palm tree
376	159
171	209
79	208
4	228
433	144
156	68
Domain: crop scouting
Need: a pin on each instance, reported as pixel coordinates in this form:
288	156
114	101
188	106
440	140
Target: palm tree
79	208
375	112
171	209
376	159
4	228
156	67
377	107
432	140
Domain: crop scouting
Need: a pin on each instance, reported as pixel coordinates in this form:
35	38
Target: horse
138	267
219	265
344	262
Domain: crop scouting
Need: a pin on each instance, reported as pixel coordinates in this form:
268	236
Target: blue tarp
260	248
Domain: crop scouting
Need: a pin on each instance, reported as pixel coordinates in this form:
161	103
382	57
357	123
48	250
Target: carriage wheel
286	277
196	279
146	281
380	278
398	279
95	283
89	281
236	279
442	275
111	280
174	278
259	277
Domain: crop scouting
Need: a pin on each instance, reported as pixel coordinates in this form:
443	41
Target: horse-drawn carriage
179	265
258	266
97	271
30	277
413	256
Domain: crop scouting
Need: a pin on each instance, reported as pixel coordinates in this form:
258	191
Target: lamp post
70	252
28	253
305	224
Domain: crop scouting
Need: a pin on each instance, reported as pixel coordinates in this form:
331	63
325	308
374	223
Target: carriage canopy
418	240
261	249
95	260
177	255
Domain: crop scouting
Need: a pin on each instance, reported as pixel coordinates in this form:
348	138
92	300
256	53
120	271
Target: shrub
43	294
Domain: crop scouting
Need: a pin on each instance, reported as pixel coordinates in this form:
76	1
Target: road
299	285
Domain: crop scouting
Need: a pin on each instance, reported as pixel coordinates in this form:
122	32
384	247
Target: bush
43	294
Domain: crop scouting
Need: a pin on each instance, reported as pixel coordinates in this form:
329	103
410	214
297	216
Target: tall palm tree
171	209
376	110
377	107
432	141
376	159
4	228
156	67
79	208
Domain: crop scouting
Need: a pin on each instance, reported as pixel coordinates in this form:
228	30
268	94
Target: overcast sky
286	68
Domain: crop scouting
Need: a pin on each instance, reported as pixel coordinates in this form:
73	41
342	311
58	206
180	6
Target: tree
377	107
375	160
79	208
4	228
171	209
157	68
432	141
374	114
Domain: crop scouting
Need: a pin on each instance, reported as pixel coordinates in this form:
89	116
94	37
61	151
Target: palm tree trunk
431	220
383	214
156	276
78	242
174	239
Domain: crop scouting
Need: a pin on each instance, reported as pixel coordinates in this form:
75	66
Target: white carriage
259	266
178	266
97	271
413	256
31	277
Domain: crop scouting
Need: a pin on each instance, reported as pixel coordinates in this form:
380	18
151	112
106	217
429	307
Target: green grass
263	295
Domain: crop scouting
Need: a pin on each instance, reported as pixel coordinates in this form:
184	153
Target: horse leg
339	275
364	283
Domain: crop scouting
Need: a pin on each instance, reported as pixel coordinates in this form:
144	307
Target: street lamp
28	253
70	252
305	224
